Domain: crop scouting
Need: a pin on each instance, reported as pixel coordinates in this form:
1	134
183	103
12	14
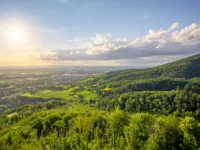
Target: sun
15	34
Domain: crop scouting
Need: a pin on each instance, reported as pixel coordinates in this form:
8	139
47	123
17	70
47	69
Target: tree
37	124
117	119
189	127
59	125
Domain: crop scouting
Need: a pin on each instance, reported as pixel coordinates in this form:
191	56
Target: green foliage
148	109
93	129
185	68
37	124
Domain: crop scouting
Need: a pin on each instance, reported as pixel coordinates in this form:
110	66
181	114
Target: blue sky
61	27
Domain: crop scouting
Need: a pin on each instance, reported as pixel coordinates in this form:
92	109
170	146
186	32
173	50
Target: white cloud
100	39
189	35
174	26
146	17
161	42
121	40
101	44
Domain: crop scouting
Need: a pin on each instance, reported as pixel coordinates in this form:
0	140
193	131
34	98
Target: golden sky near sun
17	45
23	62
15	35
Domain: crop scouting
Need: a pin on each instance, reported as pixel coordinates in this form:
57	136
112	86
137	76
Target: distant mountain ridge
185	68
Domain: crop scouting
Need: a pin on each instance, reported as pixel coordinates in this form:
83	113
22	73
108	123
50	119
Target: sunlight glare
15	34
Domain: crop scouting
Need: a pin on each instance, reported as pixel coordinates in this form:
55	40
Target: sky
135	33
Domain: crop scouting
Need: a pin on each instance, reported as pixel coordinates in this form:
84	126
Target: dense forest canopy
155	108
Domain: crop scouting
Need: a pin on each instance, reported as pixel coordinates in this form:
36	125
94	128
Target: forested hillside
185	68
155	108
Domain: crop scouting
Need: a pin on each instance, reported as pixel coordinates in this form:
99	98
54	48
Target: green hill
184	68
155	108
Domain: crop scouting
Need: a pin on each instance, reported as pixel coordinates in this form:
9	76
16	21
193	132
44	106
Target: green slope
156	108
184	68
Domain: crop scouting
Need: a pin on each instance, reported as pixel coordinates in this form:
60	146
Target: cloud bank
161	42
